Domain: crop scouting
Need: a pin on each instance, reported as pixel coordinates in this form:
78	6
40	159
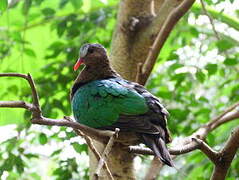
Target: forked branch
38	118
163	34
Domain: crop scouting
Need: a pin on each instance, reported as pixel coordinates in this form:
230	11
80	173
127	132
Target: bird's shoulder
152	101
104	87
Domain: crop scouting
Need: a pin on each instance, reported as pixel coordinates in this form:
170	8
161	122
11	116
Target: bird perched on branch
102	99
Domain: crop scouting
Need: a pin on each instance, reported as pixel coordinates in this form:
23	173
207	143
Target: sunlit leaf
42	138
48	12
79	147
30	52
26	6
224	44
231	61
19	164
63	3
30	155
200	76
61	27
211	68
76	3
3	5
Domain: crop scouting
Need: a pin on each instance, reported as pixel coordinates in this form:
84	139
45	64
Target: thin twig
139	72
215	122
93	148
36	110
152	8
34	93
96	153
14	75
210	19
173	151
17	104
105	154
153	170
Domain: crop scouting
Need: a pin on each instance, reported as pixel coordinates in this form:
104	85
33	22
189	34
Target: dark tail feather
158	146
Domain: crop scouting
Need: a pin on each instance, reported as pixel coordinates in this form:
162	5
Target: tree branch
226	156
17	104
102	136
189	144
195	141
163	34
210	19
38	118
174	151
207	150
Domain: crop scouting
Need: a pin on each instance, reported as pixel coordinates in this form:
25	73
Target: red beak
78	63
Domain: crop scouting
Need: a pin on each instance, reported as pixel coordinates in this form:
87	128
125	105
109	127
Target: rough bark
137	28
120	162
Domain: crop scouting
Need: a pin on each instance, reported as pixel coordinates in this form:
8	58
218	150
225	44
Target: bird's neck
91	73
95	73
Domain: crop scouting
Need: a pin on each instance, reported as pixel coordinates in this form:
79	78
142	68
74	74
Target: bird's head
91	54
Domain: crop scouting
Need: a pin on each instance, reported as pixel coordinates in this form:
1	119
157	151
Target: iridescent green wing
99	103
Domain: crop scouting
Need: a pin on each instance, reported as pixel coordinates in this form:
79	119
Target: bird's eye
90	50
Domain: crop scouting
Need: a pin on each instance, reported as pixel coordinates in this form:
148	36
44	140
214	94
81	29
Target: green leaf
42	139
19	164
174	66
211	68
76	3
48	12
63	3
26	6
203	111
69	135
194	31
200	76
30	155
38	2
165	94
30	52
179	114
11	144
224	44
3	5
56	152
61	27
9	162
230	61
79	147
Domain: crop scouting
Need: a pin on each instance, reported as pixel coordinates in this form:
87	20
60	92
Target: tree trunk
120	162
135	32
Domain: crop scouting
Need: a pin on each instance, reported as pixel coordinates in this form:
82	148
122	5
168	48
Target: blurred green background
196	76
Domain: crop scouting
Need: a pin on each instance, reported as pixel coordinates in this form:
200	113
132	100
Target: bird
102	99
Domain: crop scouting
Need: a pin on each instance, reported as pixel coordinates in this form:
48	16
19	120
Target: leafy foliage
196	76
